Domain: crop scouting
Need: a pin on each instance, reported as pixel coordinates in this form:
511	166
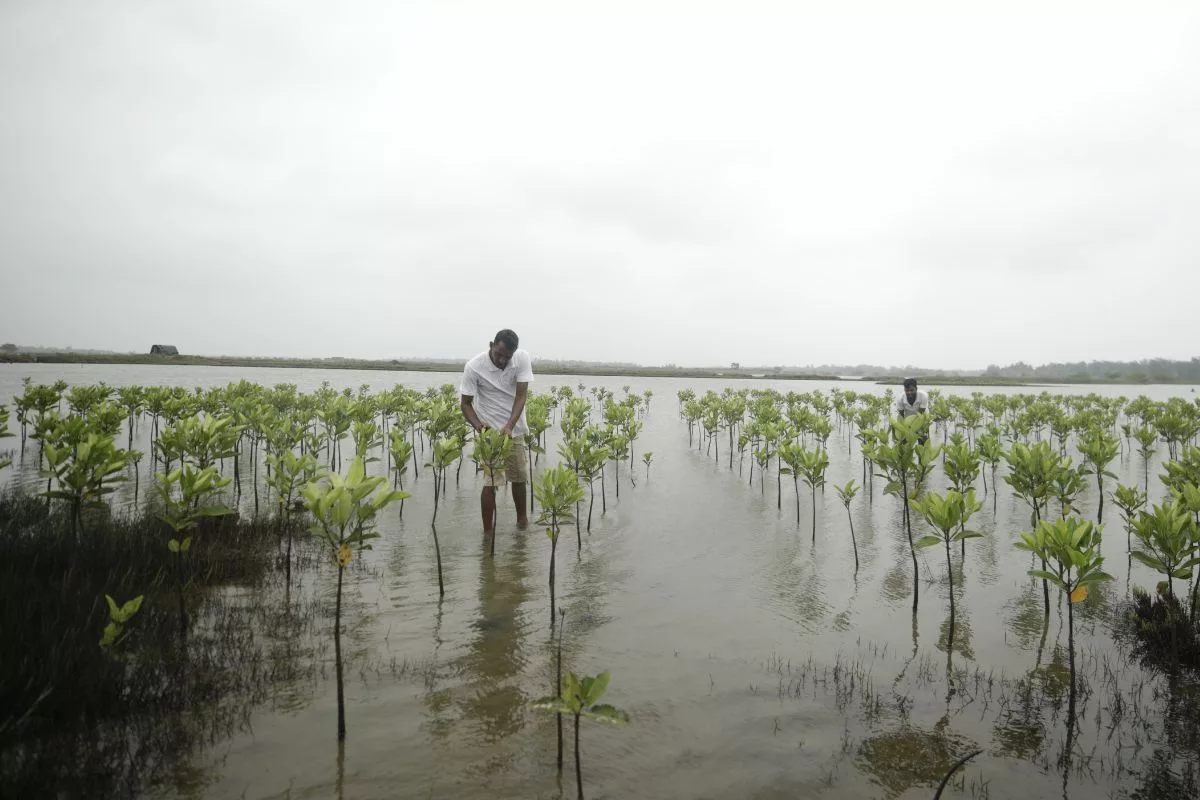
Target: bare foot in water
522	524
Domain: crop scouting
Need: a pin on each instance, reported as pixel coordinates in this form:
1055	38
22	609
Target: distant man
913	401
494	387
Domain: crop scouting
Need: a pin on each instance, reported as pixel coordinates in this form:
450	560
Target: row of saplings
194	434
1038	429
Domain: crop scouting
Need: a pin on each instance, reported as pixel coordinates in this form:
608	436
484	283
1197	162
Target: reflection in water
910	757
496	654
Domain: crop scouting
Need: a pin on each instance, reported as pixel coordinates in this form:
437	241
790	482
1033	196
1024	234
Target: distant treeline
1152	370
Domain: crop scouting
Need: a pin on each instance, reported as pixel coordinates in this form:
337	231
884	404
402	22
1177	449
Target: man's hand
507	431
481	427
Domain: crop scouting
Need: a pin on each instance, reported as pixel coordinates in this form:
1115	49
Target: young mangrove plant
948	515
906	462
581	699
813	464
1131	500
184	492
1147	439
288	473
444	453
84	465
1166	542
343	509
1070	547
1031	474
118	618
647	457
558	491
847	493
492	449
1098	448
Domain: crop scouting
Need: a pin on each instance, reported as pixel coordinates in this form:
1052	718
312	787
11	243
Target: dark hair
910	382
508	339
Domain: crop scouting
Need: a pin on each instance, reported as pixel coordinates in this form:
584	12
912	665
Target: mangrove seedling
183	491
343	508
948	515
1070	547
84	465
1147	438
1098	448
558	491
813	464
1031	474
1166	543
847	493
491	451
118	617
580	699
647	457
1131	500
288	473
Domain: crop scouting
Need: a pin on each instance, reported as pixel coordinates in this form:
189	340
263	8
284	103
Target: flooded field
753	661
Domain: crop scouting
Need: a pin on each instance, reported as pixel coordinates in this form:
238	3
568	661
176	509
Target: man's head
910	389
501	348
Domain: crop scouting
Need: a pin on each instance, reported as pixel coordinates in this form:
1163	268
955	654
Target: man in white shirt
494	387
913	401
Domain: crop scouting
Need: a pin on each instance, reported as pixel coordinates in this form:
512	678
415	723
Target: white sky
638	183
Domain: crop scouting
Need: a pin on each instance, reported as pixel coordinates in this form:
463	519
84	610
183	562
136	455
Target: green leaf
173	546
967	535
113	610
597	688
927	541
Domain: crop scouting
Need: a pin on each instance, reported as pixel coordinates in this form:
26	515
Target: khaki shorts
516	467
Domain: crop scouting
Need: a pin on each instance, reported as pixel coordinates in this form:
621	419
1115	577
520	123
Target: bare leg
487	504
518	493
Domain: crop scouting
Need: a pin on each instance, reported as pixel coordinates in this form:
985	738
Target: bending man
494	387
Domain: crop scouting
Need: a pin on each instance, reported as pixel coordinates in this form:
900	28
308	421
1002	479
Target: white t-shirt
907	409
495	389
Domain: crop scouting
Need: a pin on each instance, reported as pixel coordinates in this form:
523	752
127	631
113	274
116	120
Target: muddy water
753	661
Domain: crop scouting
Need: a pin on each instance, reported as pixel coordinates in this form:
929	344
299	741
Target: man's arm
468	409
518	407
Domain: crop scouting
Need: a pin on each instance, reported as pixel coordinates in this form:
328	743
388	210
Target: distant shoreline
550	367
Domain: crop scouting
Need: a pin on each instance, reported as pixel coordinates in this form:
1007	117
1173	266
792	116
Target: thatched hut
164	350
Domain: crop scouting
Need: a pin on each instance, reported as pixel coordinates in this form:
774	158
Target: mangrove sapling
1031	473
580	698
1070	548
182	491
118	617
647	457
84	465
962	466
1166	543
559	492
790	454
400	452
1131	500
1147	439
590	467
847	493
1098	448
1066	484
444	452
343	509
906	463
813	464
492	449
288	473
948	515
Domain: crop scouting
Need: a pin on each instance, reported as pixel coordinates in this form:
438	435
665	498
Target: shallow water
753	661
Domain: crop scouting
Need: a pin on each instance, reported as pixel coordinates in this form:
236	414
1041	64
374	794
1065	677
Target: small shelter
164	350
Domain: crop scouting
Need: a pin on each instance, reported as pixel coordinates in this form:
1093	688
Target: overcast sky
393	179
